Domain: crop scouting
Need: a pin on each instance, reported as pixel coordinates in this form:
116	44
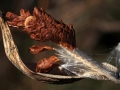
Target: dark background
97	26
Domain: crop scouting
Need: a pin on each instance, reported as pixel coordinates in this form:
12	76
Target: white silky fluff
115	55
80	64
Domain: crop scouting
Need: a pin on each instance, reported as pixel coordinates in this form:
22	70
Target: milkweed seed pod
42	27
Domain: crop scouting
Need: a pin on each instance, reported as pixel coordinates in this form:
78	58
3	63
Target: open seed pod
13	55
42	27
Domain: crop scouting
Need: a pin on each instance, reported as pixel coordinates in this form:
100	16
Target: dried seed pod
13	55
42	27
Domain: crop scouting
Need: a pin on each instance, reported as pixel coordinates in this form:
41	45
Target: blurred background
97	27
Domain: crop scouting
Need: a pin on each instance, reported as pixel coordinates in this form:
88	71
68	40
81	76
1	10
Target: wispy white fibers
118	55
80	64
115	55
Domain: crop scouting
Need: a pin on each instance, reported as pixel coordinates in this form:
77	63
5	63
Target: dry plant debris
42	27
13	55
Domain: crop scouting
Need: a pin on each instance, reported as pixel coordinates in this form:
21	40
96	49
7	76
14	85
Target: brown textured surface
37	48
42	27
45	64
13	55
